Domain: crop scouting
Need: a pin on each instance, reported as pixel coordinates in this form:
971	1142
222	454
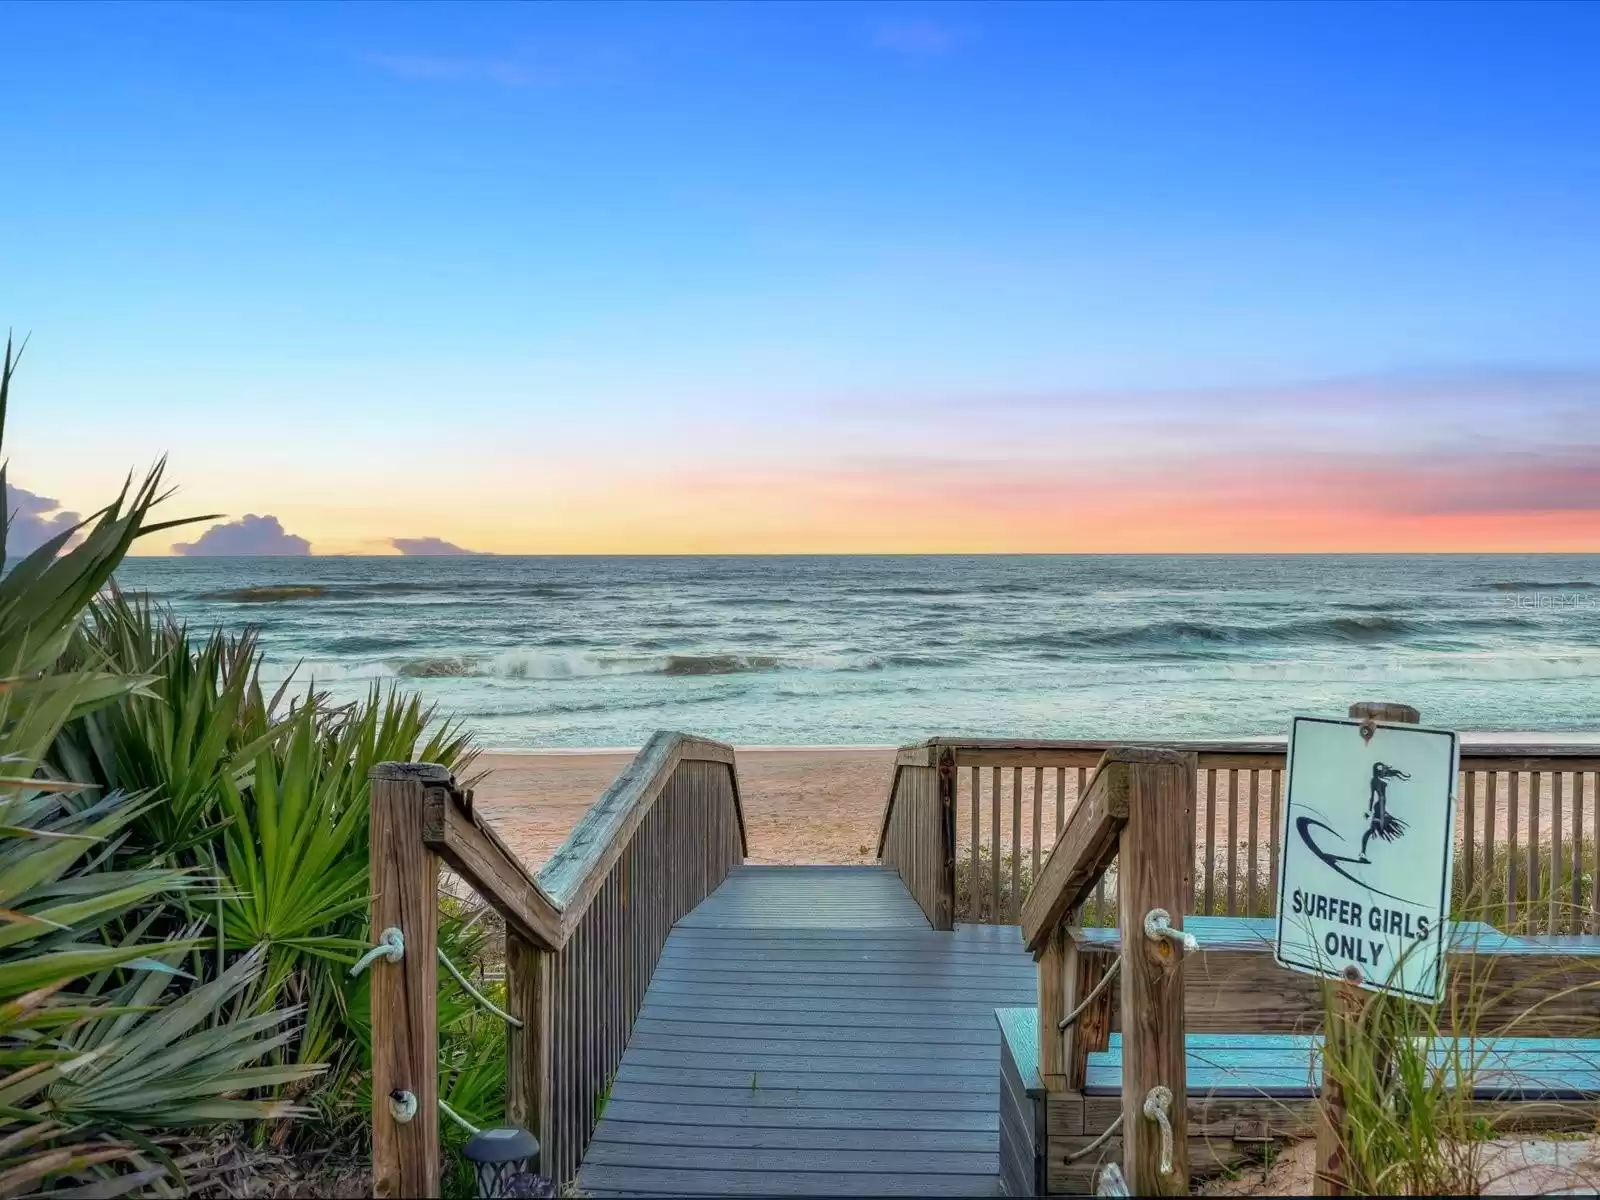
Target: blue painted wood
1019	1027
1215	933
1288	1065
807	1032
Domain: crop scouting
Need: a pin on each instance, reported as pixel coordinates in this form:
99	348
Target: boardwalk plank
806	1032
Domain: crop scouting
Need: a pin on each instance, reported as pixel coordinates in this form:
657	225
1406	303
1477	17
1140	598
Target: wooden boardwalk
806	1032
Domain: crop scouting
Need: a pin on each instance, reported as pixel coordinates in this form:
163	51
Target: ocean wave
1442	669
436	668
717	664
546	664
275	594
1188	636
279	592
1537	585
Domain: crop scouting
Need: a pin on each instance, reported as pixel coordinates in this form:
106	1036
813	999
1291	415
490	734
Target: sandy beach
823	805
800	806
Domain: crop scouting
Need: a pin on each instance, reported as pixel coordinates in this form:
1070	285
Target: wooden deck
807	1032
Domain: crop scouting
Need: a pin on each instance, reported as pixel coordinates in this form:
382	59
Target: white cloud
248	535
33	520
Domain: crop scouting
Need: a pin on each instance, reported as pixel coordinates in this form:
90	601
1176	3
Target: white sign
1368	846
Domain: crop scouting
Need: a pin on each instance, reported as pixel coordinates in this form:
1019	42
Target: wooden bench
1252	1050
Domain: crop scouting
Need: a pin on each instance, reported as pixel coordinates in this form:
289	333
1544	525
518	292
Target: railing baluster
1490	821
1233	842
1578	922
1061	798
1211	838
1016	845
1513	847
1038	816
1077	799
1469	839
974	888
1535	803
994	845
1274	816
1557	923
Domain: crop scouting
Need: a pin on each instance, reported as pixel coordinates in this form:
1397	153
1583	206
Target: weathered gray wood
854	1062
974	874
944	914
731	1117
994	844
1151	876
478	855
1087	844
578	866
648	1181
528	1094
1058	995
405	1016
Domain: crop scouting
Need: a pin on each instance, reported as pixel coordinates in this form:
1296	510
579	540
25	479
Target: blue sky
598	255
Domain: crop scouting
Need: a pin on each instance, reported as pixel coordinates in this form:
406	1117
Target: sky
834	277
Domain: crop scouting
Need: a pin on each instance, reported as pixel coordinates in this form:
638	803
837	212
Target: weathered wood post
945	770
405	1014
1151	900
1344	1021
528	973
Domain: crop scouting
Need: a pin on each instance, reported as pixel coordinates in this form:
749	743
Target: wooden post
1057	997
1151	876
528	971
945	907
1344	1022
405	1014
1091	1032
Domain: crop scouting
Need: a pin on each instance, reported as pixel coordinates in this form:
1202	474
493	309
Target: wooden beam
1091	1033
476	852
945	914
1088	841
1057	997
1150	876
528	1094
405	1015
578	868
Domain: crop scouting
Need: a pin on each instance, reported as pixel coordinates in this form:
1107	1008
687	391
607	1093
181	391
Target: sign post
1364	889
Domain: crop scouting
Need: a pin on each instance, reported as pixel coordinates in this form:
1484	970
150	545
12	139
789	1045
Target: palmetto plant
199	721
270	801
92	1040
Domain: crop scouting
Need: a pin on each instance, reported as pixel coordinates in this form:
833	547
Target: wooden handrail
476	853
579	951
573	873
1133	812
1007	789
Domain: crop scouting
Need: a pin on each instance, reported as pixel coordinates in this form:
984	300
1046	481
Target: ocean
541	653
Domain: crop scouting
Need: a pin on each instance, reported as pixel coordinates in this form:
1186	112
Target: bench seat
1286	1065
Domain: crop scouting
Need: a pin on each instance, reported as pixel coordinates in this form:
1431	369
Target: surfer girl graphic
1380	820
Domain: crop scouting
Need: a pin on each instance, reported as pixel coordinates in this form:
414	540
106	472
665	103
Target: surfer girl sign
1368	847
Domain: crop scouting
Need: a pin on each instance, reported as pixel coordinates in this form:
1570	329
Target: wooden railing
582	940
918	830
1526	827
1133	813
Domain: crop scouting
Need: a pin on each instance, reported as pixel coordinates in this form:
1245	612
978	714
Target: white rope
476	994
391	946
457	1118
1105	982
1104	1137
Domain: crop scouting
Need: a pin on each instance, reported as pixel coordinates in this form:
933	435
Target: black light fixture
506	1162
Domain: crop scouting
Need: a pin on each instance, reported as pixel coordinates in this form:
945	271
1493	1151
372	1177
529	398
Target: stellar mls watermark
1558	601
